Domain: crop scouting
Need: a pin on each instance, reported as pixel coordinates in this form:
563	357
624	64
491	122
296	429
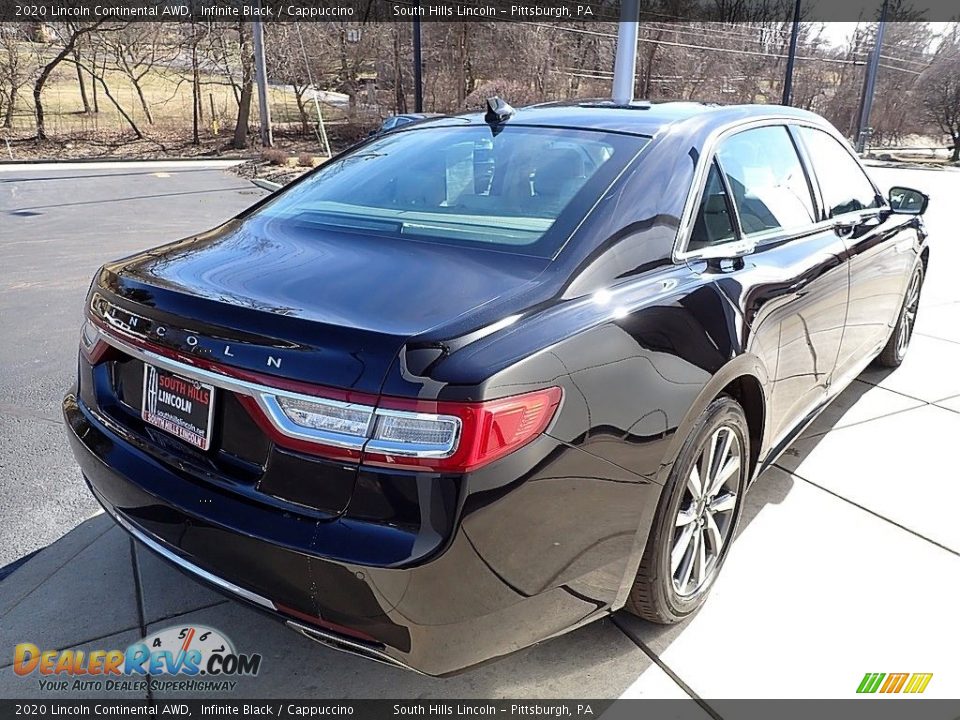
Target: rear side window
844	184
767	181
713	225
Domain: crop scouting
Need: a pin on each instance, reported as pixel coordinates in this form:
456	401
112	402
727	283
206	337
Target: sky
836	33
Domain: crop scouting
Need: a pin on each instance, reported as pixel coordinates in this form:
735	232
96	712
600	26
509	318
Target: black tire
896	348
655	594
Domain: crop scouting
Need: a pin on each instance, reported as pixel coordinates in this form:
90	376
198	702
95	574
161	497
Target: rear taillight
487	430
414	434
91	344
324	415
440	436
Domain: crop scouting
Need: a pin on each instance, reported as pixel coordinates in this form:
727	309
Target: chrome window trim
680	254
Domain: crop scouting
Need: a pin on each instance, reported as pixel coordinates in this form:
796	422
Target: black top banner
450	709
370	11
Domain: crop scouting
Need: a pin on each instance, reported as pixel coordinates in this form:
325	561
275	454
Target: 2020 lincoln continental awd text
479	381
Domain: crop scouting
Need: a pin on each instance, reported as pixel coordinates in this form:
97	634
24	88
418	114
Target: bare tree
98	75
287	65
14	69
81	83
904	57
242	128
939	89
68	34
197	34
138	50
399	93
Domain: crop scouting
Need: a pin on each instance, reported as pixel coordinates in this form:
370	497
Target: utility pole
625	65
417	66
260	63
869	83
791	55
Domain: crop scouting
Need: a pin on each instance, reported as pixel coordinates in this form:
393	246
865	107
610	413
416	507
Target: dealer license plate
178	405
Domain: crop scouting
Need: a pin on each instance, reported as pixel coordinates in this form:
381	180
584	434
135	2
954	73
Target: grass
169	94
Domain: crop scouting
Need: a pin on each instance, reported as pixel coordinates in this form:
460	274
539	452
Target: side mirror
906	201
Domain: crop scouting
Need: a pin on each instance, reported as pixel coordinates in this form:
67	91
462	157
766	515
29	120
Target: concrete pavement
848	558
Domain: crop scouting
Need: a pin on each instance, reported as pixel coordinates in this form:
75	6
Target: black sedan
394	122
477	382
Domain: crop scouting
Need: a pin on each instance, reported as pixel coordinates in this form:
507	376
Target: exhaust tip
348	645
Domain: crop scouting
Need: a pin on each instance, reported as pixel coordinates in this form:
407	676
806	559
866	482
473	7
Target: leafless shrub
274	156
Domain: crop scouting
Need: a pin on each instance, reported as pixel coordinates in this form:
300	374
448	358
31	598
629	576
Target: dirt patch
121	145
266	170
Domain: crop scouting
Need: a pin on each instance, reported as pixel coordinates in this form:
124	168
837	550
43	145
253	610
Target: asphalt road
57	226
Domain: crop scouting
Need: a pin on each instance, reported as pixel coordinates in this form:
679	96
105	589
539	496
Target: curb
65	166
8	569
266	184
82	160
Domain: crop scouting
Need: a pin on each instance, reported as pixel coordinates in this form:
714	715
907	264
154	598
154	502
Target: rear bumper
330	638
437	617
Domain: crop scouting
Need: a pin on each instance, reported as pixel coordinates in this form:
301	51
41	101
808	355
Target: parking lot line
813	582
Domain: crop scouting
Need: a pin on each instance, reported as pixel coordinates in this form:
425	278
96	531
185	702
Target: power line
858	60
729	51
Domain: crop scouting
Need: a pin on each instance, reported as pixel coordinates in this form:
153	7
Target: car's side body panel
881	257
793	297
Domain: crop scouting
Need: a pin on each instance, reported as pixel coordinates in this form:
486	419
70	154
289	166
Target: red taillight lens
92	346
489	430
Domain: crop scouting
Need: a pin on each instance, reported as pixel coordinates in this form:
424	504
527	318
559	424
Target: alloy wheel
705	516
909	315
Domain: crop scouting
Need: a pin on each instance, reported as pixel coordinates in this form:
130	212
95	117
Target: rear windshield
517	189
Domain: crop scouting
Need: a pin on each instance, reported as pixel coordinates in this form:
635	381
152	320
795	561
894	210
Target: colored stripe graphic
894	683
918	682
870	682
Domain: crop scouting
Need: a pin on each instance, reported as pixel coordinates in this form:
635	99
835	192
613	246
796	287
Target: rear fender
743	365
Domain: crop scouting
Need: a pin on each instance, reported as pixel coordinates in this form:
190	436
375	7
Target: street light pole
417	67
791	55
870	82
625	65
260	63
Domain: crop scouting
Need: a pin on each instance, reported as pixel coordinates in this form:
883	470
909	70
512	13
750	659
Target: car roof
637	118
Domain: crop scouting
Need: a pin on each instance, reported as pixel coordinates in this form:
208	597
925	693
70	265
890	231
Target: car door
790	279
880	255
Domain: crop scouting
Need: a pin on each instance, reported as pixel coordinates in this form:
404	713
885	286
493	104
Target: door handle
798	287
843	228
